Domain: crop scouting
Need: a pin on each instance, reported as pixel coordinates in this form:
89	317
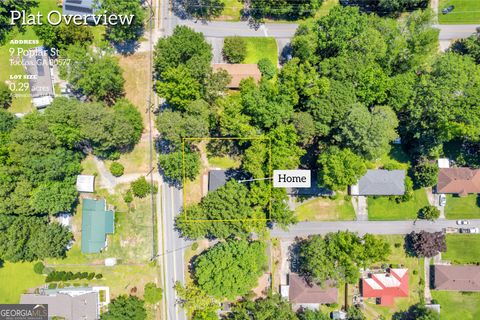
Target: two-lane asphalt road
304	229
173	249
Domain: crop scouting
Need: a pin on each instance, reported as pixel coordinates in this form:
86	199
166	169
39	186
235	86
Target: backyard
462	248
382	208
463	207
17	278
416	281
258	48
465	12
324	208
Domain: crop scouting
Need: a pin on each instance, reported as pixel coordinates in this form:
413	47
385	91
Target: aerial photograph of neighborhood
240	159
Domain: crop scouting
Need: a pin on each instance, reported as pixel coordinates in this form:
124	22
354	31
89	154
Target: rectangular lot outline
268	218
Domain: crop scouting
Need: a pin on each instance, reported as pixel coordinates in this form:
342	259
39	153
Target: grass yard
458	305
327	5
462	248
463	207
382	208
225	162
17	278
465	12
231	11
396	158
132	240
398	257
325	209
258	48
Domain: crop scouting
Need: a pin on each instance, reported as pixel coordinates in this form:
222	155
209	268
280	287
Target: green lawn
397	158
462	248
458	305
231	11
382	208
327	5
465	12
462	207
17	278
323	208
258	48
225	162
398	257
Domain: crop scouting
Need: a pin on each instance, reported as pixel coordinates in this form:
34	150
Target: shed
85	183
97	222
443	163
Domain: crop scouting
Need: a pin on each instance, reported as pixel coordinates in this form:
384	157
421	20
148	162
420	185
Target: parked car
442	200
469	230
460	222
448	9
450	230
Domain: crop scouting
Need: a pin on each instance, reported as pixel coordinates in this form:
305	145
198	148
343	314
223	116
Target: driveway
217	46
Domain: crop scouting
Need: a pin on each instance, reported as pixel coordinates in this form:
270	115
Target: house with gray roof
216	179
73	303
380	183
39	69
78	7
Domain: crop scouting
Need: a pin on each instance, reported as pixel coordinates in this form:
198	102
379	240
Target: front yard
381	208
325	209
462	248
463	207
258	48
416	280
465	12
17	278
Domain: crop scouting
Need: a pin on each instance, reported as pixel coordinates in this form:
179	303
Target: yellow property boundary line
227	220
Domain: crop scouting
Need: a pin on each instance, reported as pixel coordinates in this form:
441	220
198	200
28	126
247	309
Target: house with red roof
386	286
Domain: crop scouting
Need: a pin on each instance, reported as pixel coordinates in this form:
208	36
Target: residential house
460	181
309	295
73	303
78	7
39	70
239	72
385	286
380	183
85	183
216	179
97	222
456	278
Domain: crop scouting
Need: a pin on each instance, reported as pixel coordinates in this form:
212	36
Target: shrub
38	267
99	276
347	197
52	286
415	272
152	294
117	169
397	245
84	275
128	196
425	173
6	96
429	213
91	275
234	49
141	187
194	246
267	68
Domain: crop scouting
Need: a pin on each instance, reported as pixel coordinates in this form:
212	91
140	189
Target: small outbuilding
86	183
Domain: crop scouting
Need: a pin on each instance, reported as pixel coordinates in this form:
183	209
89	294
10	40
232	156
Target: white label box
292	179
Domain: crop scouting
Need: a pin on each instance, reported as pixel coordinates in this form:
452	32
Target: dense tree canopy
6	96
125	308
271	307
122	33
417	312
287	9
338	256
425	244
468	46
63	35
6	7
230	269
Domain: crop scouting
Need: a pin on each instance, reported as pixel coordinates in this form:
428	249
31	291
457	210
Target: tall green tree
179	87
125	307
340	168
230	269
123	33
271	307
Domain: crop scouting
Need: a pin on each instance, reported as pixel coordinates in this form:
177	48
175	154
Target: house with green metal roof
97	222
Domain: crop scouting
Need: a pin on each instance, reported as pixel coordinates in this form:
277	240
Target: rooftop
37	65
301	292
216	179
97	222
85	183
386	285
238	72
457	278
380	183
80	7
461	181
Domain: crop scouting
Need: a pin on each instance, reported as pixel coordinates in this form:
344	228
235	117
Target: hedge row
66	276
